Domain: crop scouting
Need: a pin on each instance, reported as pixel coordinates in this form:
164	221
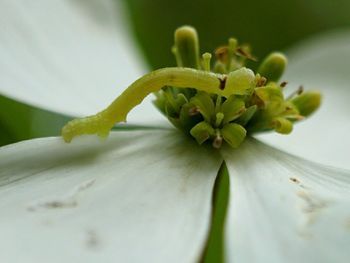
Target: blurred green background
266	25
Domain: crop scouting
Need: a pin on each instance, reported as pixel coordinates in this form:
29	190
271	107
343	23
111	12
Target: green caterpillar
238	82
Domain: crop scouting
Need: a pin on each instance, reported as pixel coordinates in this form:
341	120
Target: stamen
299	91
221	54
241	52
219	118
206	61
232	45
218	103
283	84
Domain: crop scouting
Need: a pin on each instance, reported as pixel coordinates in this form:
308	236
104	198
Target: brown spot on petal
92	239
294	180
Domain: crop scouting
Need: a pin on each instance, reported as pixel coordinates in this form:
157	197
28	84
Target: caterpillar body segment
98	124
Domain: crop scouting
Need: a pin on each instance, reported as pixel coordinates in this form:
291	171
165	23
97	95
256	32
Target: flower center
211	101
214	118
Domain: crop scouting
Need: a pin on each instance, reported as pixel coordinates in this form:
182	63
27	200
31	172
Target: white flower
145	195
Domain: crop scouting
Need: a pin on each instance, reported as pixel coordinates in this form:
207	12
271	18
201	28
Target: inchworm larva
238	82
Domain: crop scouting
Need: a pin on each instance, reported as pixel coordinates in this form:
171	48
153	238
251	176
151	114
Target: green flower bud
205	105
187	47
170	111
189	117
233	134
247	115
273	66
269	94
282	125
232	108
180	100
202	132
159	101
176	101
307	102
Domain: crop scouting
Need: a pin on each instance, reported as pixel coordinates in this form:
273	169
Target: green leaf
20	121
234	134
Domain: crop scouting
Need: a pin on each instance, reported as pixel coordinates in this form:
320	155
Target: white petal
285	209
138	196
68	56
321	63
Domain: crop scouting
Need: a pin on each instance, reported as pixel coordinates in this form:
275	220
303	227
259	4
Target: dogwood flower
145	195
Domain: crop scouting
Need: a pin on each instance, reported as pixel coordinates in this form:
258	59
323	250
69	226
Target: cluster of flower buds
214	118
